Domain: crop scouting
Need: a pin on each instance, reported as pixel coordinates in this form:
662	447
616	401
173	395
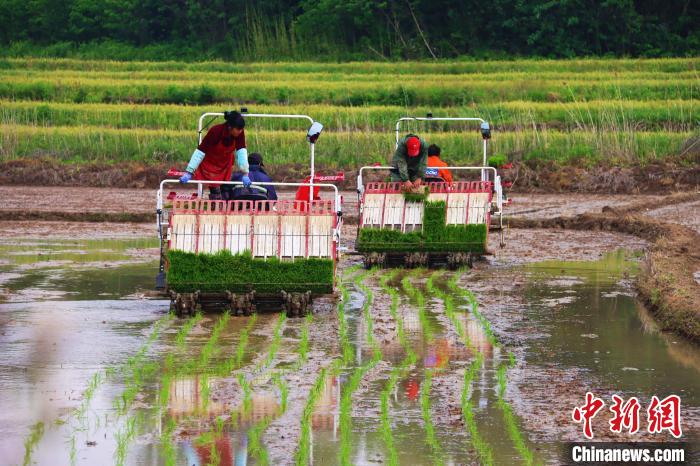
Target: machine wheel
456	260
416	259
241	304
374	259
296	304
184	303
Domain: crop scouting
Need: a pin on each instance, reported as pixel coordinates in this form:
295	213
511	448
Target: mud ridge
91	217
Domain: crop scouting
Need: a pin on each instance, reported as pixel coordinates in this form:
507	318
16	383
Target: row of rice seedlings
123	438
137	369
397	371
206	355
480	445
508	417
345	416
169	371
408	67
302	453
36	432
471	299
255	446
97	144
584	115
83	88
369	298
417	295
430	437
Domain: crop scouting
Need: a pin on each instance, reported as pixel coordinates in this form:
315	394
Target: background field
584	113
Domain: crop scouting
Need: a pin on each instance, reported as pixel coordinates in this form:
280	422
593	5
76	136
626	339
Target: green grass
190	272
35	435
624	112
435	236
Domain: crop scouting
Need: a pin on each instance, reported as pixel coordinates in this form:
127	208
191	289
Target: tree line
349	29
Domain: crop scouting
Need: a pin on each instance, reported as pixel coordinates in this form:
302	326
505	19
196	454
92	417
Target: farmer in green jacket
410	161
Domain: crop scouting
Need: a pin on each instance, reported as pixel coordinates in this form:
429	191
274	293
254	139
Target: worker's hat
413	146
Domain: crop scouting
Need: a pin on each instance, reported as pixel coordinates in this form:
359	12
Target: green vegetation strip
480	445
397	372
602	114
302	454
345	417
430	437
417	295
435	236
509	419
189	272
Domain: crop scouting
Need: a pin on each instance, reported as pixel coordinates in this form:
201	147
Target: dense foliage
352	29
224	271
436	235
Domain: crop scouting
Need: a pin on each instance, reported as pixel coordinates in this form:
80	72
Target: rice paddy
626	112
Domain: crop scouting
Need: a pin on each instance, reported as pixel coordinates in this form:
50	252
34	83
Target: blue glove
246	181
186	177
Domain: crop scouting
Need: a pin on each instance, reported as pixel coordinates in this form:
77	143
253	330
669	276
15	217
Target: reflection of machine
246	255
446	225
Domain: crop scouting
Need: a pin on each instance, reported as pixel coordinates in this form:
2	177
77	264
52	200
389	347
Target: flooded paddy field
477	366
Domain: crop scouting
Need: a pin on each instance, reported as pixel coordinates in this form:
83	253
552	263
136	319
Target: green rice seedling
166	443
417	295
346	347
189	272
35	434
449	307
369	298
284	392
480	445
276	338
509	419
302	453
247	393
123	438
345	416
186	329
430	437
398	371
304	340
471	299
255	447
72	451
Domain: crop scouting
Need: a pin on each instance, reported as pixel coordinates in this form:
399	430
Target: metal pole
313	173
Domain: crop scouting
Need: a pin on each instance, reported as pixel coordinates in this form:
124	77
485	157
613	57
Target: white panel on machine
184	232
238	233
413	217
457	209
478	206
320	239
372	212
293	241
393	211
265	235
211	233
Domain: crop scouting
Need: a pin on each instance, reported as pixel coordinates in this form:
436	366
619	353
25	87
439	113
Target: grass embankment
223	271
573	112
435	236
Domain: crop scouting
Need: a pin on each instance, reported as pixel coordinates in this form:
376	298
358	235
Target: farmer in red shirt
213	158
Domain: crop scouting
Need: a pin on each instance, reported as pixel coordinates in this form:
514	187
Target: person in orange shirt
434	160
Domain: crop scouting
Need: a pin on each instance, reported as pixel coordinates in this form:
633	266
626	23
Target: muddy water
92	373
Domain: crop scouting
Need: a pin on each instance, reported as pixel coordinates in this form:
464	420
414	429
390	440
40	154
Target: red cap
413	146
